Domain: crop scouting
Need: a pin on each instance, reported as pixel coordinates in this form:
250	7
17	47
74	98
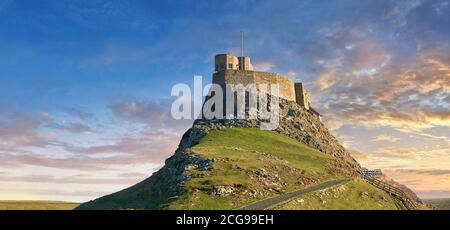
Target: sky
85	85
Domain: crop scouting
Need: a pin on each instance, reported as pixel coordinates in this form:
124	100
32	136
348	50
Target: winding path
270	202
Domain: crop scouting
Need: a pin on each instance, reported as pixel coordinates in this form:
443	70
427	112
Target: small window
230	66
217	67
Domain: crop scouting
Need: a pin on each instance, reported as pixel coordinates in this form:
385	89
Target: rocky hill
226	164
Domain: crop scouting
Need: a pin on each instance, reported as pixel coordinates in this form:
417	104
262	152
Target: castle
230	69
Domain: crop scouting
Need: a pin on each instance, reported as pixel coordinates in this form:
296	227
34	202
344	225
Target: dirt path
270	202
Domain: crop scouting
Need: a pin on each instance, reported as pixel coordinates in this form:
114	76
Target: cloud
428	183
325	80
154	145
114	149
401	10
149	148
422	133
124	179
264	65
151	145
399	151
153	112
409	95
86	163
19	127
77	112
445	172
360	77
73	127
385	137
440	7
420	158
332	124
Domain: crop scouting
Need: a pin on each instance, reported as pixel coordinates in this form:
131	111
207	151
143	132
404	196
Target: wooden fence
394	191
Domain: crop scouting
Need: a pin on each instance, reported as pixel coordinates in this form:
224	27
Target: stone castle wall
286	85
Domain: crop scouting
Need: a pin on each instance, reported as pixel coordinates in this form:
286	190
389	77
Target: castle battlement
230	69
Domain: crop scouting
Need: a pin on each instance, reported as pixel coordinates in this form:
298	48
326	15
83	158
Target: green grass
37	205
353	195
248	140
239	151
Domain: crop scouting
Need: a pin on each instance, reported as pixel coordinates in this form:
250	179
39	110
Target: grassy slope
354	195
36	205
256	164
237	152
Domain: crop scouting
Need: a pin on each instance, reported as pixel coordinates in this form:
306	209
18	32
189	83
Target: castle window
230	66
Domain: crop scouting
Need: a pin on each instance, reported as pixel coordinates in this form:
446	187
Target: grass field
36	205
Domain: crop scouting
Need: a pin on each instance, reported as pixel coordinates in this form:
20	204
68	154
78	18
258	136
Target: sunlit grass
37	205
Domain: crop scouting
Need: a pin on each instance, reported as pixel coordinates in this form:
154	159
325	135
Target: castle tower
231	62
226	62
302	96
245	64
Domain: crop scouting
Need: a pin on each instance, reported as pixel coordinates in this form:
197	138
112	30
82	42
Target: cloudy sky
85	85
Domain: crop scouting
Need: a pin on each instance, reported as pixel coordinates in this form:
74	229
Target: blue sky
85	85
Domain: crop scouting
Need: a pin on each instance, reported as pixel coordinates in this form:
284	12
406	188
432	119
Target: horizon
85	86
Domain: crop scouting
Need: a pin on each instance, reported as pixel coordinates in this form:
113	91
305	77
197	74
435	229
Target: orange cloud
399	95
426	183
